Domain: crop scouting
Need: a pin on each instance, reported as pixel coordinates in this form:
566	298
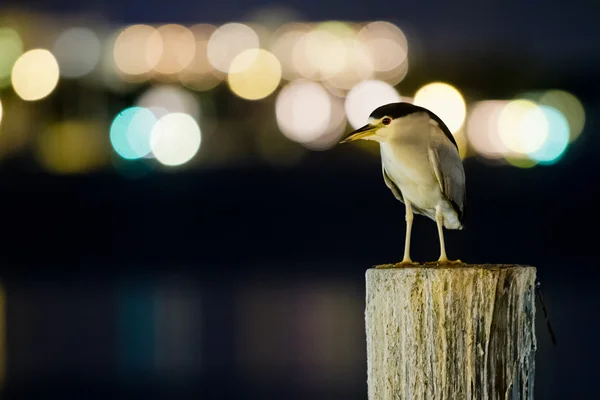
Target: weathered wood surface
455	332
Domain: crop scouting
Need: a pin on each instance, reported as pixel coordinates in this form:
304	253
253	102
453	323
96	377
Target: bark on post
455	332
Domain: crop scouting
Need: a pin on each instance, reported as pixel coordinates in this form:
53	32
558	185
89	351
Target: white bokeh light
164	99
227	42
175	139
365	97
303	110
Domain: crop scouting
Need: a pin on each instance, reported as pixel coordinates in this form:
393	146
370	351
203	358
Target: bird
421	166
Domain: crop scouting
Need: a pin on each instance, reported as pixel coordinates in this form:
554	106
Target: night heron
421	166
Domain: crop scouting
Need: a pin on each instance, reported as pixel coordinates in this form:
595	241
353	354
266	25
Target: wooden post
452	332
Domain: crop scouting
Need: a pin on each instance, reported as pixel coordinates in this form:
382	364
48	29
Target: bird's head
383	122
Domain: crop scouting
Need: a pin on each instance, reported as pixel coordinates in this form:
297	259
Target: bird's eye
386	121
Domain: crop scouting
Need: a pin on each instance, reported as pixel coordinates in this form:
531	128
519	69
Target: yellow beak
360	133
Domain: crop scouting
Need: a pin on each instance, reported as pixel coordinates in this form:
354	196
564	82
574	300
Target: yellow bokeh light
303	109
254	74
227	42
11	48
175	139
569	106
325	52
522	126
179	45
73	147
138	49
365	97
445	101
35	74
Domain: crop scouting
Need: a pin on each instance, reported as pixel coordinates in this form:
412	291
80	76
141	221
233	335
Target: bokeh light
164	99
199	74
445	101
254	74
11	48
35	74
138	49
227	42
569	106
557	142
365	97
522	126
179	45
481	128
286	39
388	48
72	147
321	53
130	132
303	111
358	66
77	51
175	139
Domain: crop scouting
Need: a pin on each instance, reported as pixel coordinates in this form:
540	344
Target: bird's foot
407	262
446	261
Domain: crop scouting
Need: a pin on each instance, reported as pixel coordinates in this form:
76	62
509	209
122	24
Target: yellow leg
409	220
439	219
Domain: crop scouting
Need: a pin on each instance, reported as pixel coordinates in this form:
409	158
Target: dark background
245	280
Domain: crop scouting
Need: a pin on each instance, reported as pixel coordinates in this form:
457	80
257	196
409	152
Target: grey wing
449	171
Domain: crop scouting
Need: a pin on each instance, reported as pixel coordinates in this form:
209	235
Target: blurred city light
130	132
138	49
569	106
164	99
365	97
445	101
254	74
303	110
557	142
227	42
199	74
179	46
286	39
11	48
72	147
321	53
388	48
77	51
522	126
481	128
35	74
175	139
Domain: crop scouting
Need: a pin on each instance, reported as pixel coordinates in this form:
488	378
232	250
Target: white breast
406	160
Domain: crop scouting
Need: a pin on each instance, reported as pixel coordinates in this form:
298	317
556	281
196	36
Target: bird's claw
446	261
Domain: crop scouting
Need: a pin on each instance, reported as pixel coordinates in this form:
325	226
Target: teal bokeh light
558	137
130	132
